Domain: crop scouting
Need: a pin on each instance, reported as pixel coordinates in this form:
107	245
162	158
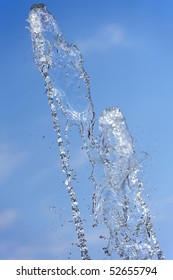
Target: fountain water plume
42	24
117	198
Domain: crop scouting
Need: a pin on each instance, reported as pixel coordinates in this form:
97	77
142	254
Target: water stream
117	196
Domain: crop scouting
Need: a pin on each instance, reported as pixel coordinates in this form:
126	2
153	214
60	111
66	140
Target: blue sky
127	50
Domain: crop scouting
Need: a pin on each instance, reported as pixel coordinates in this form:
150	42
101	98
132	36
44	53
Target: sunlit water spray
117	197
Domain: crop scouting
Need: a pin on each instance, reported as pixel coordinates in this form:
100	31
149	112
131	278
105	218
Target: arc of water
41	22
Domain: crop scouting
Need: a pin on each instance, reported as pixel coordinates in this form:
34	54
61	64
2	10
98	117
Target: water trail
42	27
117	197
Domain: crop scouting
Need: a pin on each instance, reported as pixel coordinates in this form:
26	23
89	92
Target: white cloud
10	159
81	158
12	250
162	208
7	219
40	176
48	245
110	36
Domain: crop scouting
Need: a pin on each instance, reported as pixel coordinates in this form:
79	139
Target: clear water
117	197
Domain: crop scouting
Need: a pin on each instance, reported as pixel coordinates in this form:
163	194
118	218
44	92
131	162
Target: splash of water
117	198
118	201
50	51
